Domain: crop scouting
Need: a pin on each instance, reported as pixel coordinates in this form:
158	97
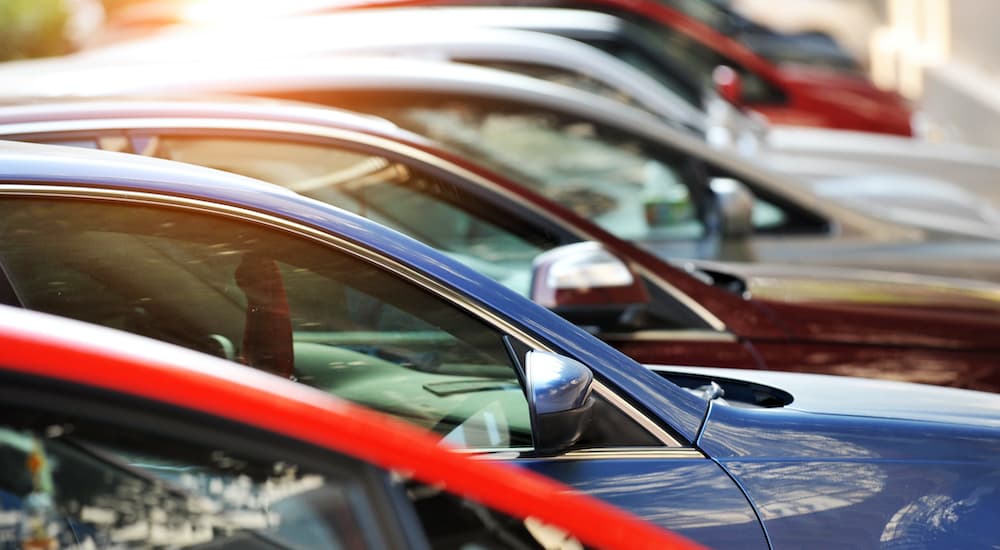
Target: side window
393	194
68	481
612	179
82	485
272	301
562	76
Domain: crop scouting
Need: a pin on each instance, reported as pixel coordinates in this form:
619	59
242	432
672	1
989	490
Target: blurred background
937	53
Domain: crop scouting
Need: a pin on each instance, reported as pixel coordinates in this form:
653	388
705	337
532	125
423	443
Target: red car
110	439
787	94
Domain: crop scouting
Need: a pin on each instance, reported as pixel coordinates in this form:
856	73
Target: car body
926	227
753	472
327	457
655	83
877	325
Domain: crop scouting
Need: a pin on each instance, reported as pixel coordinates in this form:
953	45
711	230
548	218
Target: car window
560	75
67	485
610	178
149	480
274	302
393	194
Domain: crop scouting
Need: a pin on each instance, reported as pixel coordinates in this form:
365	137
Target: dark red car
113	440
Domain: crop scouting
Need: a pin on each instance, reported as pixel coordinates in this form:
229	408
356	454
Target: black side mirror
559	400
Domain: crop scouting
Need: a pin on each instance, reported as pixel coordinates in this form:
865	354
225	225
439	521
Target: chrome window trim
23	130
453	297
632	453
672	335
606	453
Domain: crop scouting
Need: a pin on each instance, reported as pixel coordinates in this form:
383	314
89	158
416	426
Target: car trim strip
676	335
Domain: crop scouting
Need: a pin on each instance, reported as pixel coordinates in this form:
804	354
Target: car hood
871	307
844	395
906	199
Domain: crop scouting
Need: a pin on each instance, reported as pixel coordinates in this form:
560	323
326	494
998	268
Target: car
921	330
643	180
784	94
813	48
302	289
110	440
654	82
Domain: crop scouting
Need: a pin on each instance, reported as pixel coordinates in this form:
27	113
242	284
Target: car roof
50	165
66	350
437	33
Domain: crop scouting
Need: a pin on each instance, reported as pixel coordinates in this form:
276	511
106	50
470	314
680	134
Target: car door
332	314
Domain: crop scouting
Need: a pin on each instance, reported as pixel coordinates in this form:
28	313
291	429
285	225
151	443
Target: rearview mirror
559	400
728	84
590	286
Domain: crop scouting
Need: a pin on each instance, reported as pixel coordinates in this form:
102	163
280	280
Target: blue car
260	275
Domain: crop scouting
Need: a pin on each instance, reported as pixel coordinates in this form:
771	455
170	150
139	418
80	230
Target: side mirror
589	286
559	400
728	84
734	203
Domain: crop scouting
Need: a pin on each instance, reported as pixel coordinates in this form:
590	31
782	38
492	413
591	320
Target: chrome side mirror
559	400
735	206
589	285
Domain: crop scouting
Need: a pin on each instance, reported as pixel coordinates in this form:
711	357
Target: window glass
642	49
562	76
72	482
423	207
269	300
688	60
62	487
609	178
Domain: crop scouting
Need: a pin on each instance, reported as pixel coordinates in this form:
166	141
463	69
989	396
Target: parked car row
514	233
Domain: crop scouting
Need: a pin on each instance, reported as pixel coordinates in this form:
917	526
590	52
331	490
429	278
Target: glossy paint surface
691	496
812	476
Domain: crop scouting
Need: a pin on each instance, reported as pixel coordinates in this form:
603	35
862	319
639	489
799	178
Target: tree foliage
32	28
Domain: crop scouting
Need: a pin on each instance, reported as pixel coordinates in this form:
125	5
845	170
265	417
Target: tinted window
74	485
424	207
606	176
146	479
272	301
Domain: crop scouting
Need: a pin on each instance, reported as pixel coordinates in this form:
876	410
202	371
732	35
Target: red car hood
871	307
